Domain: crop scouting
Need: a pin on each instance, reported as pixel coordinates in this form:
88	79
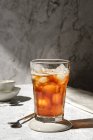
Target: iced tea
49	93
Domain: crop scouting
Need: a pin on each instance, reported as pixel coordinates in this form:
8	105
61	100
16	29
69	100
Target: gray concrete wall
32	29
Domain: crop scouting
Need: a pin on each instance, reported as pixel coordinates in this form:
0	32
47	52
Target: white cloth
80	98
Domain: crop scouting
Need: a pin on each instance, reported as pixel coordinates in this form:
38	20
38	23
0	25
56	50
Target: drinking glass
49	78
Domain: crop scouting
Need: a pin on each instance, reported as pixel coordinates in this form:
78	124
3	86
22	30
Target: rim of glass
50	61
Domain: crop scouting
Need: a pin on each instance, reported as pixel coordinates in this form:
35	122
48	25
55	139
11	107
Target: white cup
7	85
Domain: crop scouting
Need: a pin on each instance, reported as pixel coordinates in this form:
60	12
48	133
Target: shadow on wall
81	77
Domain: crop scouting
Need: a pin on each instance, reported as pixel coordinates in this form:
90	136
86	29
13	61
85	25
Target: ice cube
49	71
37	67
44	102
60	68
60	76
62	71
43	80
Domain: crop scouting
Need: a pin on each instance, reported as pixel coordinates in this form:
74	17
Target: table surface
22	105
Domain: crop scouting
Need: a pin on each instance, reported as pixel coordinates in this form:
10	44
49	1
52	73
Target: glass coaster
50	127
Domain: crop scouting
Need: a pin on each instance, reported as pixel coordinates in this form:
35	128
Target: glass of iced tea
50	78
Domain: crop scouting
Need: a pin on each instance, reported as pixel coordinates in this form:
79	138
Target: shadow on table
18	100
82	123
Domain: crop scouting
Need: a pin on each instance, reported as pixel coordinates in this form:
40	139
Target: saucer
50	127
5	96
